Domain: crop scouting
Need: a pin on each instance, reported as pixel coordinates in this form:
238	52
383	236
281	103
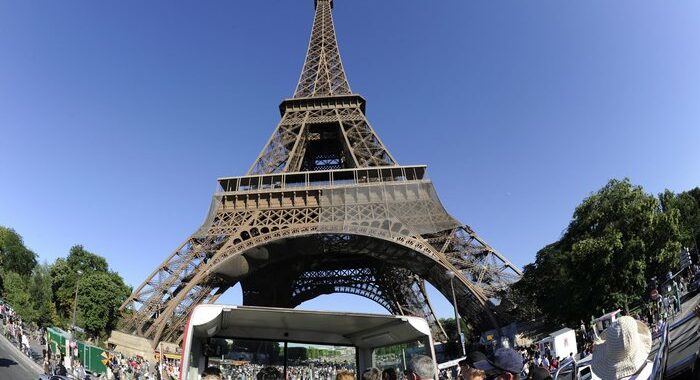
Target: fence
90	356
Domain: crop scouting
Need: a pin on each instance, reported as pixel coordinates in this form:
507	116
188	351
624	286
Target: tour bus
243	341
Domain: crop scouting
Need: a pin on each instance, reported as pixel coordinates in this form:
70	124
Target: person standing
421	367
25	345
47	364
506	364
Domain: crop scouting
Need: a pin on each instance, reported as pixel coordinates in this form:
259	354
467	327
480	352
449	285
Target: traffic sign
106	358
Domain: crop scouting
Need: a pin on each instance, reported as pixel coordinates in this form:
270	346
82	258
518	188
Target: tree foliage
14	256
100	291
42	296
65	275
45	294
618	238
17	294
688	206
99	297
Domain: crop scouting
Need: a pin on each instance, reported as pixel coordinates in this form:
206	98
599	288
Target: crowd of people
420	367
16	331
307	370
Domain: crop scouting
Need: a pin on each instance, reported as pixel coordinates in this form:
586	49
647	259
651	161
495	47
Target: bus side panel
186	344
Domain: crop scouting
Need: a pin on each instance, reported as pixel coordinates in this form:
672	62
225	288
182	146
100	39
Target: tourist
474	374
269	373
347	375
622	351
539	374
466	366
61	369
372	374
78	370
212	373
506	364
421	367
387	374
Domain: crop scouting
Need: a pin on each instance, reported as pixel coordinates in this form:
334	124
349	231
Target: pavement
684	334
14	364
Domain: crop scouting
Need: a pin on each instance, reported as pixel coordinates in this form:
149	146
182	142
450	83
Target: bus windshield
247	343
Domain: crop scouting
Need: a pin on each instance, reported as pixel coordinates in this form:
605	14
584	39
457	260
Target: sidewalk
34	345
30	361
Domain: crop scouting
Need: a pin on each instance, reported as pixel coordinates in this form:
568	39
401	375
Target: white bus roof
352	329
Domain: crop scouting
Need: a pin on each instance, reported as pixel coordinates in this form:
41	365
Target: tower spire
323	73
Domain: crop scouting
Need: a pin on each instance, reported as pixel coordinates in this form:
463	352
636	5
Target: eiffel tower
325	208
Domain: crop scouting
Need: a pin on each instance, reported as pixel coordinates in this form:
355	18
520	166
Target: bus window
397	356
318	362
243	359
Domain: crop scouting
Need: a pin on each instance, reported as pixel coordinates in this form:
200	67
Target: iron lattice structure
324	208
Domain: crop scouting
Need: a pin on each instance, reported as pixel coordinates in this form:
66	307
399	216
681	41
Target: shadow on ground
7	362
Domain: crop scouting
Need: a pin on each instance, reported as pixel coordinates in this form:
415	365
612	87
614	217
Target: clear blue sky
116	118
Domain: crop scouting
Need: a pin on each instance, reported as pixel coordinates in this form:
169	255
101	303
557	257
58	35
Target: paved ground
14	364
685	339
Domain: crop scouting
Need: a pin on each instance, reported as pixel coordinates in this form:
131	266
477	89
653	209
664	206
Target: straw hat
622	349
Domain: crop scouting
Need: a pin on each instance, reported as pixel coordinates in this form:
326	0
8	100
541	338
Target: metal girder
341	126
323	73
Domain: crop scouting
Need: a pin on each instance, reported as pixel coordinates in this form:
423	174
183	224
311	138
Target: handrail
571	364
657	372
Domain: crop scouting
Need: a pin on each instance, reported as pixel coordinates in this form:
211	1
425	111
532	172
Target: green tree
63	280
618	238
42	297
100	291
17	294
688	205
64	275
81	259
99	297
14	256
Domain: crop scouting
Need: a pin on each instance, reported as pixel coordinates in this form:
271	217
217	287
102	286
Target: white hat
622	349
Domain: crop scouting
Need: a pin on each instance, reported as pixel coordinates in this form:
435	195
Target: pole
160	359
457	318
75	305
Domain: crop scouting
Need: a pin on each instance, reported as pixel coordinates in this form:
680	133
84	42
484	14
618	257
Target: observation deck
322	179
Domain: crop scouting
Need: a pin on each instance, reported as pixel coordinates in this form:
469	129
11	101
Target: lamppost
75	305
451	275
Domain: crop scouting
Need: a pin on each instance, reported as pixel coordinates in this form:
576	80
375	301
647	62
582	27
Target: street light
451	275
75	305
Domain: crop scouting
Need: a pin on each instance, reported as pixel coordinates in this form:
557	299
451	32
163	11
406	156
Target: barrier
90	356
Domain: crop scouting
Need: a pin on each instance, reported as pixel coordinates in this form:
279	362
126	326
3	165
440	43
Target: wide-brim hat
622	349
504	360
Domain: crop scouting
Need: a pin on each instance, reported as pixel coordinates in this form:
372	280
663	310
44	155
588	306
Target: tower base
132	345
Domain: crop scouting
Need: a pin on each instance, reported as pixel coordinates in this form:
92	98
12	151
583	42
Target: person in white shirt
25	343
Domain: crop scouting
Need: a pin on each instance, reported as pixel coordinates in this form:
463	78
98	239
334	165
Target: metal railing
657	372
321	179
